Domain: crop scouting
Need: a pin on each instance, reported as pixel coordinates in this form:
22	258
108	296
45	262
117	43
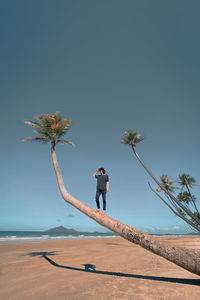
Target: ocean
31	236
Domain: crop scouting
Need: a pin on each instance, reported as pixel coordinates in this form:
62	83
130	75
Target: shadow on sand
92	269
112	244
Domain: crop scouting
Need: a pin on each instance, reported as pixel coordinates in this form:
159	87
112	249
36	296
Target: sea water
31	236
25	236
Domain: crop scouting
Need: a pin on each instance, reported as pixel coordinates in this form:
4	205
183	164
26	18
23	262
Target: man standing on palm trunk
102	188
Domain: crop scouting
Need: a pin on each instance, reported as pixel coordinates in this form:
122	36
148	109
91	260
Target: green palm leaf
186	180
65	142
167	183
58	117
186	197
39	139
41	129
131	138
34	124
51	127
44	133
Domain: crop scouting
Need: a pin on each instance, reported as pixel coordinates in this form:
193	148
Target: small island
61	229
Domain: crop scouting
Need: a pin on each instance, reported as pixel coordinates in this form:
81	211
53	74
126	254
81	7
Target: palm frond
58	117
44	133
39	139
65	142
34	124
51	127
41	129
46	120
167	183
186	197
62	127
186	180
131	138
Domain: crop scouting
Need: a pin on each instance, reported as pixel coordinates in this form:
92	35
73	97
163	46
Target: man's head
102	171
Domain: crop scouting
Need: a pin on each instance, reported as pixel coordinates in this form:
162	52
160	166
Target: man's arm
94	175
107	186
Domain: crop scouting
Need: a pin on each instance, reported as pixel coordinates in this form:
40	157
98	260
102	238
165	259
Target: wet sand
109	268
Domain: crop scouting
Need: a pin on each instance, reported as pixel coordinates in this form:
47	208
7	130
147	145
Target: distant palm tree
168	183
186	197
132	138
186	180
51	128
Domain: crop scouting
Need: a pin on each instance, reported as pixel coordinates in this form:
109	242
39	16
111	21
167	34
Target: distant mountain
61	229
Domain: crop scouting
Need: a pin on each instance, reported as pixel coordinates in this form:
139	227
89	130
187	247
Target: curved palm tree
132	138
51	128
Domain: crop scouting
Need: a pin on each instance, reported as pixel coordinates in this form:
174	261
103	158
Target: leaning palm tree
132	138
51	128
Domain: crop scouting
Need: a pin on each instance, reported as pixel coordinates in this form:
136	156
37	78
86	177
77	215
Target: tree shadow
92	269
112	244
89	267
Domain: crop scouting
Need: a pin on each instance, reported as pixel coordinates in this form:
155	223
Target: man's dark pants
103	193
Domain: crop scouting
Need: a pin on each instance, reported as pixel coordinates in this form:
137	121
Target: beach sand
65	270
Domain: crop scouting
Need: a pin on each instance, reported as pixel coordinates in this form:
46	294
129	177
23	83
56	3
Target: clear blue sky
109	66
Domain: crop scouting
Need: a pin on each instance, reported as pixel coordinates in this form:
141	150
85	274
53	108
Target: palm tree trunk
187	259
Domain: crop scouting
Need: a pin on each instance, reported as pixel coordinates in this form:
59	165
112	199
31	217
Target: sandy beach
107	268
